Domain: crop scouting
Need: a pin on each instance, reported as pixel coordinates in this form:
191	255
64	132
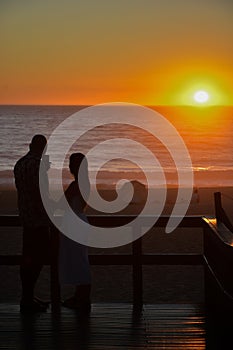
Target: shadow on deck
109	326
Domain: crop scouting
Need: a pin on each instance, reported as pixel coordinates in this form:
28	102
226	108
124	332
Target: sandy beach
202	202
112	283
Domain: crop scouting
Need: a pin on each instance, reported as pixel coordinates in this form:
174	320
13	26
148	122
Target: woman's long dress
74	266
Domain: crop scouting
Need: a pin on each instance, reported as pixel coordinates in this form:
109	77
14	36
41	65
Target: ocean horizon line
109	102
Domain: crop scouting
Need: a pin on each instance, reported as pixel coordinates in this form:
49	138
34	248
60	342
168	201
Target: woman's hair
79	168
75	162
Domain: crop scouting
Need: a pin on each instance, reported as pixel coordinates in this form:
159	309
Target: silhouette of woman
74	268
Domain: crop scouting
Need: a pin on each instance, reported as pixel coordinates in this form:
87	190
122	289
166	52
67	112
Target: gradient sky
156	52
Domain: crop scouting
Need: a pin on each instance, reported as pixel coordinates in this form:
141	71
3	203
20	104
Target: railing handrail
13	220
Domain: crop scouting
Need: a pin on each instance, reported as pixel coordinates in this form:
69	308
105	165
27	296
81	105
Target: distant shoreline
108	179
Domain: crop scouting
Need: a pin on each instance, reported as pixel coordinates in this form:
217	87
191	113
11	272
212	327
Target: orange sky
156	52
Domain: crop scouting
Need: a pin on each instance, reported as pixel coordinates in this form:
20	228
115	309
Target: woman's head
75	162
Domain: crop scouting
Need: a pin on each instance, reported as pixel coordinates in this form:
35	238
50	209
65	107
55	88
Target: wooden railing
218	260
220	213
136	259
217	256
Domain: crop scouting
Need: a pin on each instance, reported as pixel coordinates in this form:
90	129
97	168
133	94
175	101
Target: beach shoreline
202	202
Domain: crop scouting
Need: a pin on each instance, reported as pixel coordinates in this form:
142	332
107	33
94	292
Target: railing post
54	274
220	213
218	206
137	273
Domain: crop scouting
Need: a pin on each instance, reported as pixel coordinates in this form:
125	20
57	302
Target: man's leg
32	263
29	273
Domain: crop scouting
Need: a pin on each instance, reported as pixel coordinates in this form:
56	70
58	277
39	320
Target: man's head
38	144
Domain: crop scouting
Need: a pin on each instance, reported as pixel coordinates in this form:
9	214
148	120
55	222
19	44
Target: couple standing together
74	266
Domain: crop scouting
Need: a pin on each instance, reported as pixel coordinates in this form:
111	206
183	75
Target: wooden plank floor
109	326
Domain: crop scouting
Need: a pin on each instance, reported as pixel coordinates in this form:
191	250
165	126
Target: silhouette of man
36	233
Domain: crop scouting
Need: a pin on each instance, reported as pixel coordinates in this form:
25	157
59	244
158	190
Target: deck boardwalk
109	326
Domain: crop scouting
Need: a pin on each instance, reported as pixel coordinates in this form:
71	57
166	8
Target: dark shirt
31	209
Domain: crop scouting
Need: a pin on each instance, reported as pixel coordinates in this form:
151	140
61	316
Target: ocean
206	131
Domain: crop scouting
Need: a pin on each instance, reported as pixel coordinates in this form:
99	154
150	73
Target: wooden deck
109	326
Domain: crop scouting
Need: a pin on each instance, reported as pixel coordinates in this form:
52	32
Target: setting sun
201	96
